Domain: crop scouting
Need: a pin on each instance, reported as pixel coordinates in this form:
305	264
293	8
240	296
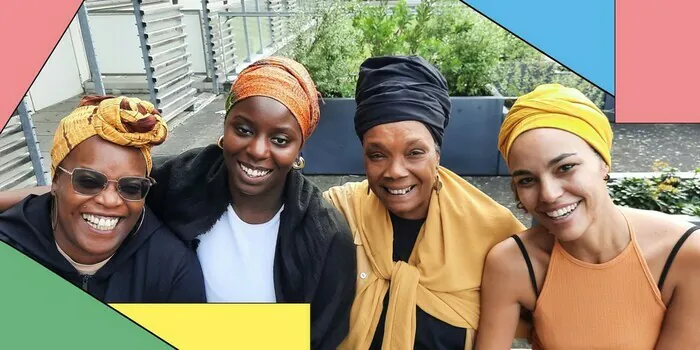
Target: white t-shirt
237	259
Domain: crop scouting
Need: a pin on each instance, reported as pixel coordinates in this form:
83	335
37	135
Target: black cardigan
314	257
151	266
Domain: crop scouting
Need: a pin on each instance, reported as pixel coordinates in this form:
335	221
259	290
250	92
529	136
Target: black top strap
672	256
529	264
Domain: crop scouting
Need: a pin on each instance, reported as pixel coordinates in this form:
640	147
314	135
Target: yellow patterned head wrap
558	107
124	121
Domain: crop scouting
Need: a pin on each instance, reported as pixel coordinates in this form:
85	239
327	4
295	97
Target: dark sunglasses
91	182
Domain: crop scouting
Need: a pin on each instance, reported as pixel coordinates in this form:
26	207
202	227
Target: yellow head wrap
121	120
559	107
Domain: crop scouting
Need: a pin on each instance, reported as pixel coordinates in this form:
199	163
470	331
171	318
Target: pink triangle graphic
29	35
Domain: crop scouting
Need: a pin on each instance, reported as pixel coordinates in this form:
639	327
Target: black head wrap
398	88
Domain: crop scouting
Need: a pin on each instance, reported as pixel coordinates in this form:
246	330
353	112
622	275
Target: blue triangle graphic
580	35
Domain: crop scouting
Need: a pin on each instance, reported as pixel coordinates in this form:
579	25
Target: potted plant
482	62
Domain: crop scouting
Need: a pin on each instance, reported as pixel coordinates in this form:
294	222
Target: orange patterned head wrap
284	80
122	120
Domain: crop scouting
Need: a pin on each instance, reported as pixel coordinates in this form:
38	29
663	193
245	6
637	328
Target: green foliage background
473	53
667	192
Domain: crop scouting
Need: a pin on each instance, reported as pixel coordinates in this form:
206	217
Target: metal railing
20	158
239	38
235	33
166	56
220	42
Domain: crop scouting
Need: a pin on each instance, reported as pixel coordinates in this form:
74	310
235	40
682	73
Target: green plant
383	31
518	50
515	78
464	46
471	51
330	50
667	192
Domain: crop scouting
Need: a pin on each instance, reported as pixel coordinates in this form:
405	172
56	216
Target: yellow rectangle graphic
225	326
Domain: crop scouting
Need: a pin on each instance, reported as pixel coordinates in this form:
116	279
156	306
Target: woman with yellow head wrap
594	275
93	228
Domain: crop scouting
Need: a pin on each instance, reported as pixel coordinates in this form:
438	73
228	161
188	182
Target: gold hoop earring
438	184
220	143
299	163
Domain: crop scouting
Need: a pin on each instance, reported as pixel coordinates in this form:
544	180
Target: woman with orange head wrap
594	275
262	231
98	235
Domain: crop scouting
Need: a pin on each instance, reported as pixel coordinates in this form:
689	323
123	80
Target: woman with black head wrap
422	232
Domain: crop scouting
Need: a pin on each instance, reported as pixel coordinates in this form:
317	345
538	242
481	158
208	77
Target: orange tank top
614	305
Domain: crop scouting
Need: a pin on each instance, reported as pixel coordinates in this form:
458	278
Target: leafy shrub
666	192
464	46
515	78
331	50
471	51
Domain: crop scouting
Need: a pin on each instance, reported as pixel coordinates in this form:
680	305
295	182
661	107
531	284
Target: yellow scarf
443	274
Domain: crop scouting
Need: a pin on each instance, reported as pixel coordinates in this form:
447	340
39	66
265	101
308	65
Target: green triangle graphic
40	310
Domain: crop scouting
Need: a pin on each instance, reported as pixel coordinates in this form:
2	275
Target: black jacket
151	266
315	255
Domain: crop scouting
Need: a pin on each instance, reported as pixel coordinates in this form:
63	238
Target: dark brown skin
260	133
551	169
75	237
397	156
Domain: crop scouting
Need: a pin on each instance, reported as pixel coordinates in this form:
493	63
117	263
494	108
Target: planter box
502	169
469	147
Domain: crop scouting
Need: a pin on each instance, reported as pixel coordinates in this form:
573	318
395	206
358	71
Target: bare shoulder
655	229
535	240
506	257
507	263
502	260
688	256
657	235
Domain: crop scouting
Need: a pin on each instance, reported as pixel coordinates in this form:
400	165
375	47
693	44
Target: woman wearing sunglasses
93	228
262	231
